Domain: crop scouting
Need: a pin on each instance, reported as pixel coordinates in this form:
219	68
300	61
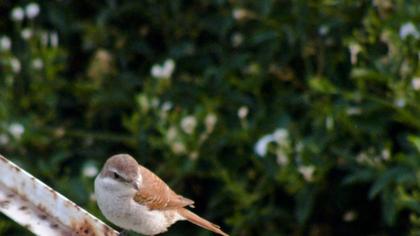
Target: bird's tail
197	220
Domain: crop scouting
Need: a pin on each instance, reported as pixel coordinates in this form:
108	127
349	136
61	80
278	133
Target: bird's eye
116	176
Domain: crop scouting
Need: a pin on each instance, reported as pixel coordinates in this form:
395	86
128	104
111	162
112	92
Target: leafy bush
277	117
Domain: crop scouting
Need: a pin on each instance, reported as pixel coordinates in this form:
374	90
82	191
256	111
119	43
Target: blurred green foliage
277	117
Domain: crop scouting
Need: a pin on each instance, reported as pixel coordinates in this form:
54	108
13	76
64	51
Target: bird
135	199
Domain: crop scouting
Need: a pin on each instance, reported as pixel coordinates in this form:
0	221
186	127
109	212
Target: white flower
17	14
16	130
240	14
349	216
172	134
90	170
416	83
281	157
54	39
243	112
32	10
15	64
210	121
26	33
4	139
353	111
386	154
362	158
166	106
237	39
163	71
307	172
188	124
156	71
193	155
261	146
400	102
355	49
281	135
37	63
409	29
169	67
178	148
323	30
5	43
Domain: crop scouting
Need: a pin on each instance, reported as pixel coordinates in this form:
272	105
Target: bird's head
121	174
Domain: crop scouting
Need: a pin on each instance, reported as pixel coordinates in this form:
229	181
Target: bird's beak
136	185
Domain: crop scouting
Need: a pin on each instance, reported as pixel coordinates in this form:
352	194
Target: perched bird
134	198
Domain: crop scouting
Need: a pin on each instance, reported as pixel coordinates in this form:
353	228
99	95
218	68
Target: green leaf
304	203
385	180
368	75
389	207
415	140
322	85
360	176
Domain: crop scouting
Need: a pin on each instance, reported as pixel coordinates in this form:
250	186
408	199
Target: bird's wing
156	194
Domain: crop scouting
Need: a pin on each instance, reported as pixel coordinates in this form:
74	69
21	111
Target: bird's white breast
120	208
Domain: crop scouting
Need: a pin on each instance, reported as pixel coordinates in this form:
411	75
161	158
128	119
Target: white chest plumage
123	211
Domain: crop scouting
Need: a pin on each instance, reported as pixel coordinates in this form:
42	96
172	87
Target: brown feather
197	220
156	194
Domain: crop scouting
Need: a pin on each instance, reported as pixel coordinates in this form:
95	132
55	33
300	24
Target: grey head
122	168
